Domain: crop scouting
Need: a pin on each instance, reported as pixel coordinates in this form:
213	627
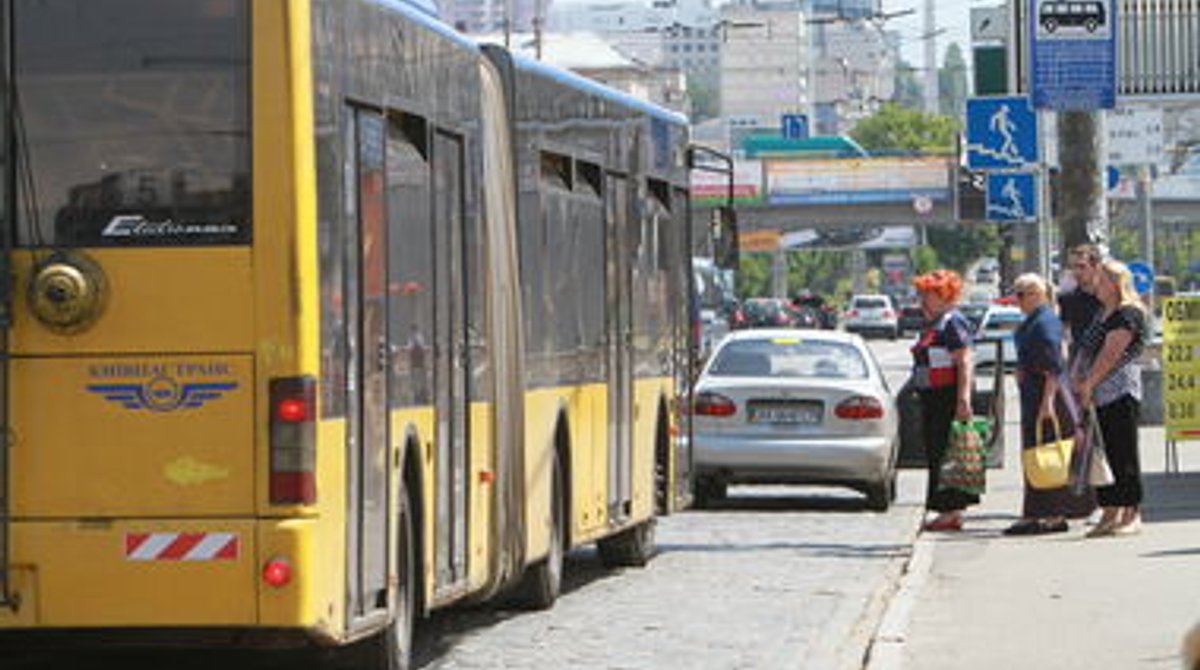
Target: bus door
451	366
369	360
9	203
619	307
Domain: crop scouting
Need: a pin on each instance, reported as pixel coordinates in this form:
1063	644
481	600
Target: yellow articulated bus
319	317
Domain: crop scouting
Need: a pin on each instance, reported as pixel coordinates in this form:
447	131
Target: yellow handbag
1048	465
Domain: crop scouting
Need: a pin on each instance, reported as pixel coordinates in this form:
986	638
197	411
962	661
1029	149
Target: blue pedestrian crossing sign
1002	133
1012	196
1143	276
794	126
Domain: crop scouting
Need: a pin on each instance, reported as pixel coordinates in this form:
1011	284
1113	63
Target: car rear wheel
708	491
880	495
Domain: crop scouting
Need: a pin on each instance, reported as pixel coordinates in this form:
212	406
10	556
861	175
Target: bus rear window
132	123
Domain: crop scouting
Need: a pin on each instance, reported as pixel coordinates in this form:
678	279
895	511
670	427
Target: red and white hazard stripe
181	546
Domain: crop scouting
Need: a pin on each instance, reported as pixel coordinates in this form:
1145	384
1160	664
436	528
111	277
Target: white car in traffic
780	406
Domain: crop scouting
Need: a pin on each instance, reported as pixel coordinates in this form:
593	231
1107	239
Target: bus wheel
632	547
542	582
391	648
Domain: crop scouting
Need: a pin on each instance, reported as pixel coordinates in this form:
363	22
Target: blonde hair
1032	281
1119	274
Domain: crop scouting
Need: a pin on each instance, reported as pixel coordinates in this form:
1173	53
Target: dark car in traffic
773	313
825	313
911	319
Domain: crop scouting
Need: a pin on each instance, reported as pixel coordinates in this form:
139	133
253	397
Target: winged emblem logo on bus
162	394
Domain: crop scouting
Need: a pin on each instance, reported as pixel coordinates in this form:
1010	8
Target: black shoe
1059	526
1025	527
1036	527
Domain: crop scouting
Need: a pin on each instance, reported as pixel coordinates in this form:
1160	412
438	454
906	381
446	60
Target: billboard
711	187
854	181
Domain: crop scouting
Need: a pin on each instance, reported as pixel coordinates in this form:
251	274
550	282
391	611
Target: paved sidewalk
981	600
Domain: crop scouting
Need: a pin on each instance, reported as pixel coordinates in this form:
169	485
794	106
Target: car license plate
803	414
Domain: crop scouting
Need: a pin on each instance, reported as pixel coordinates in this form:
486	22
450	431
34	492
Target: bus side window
410	264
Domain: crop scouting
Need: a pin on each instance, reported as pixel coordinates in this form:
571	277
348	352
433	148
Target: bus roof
425	13
596	88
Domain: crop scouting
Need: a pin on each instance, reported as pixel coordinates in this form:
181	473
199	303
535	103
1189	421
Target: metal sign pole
1045	204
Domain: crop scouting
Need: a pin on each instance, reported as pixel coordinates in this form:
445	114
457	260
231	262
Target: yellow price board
1181	367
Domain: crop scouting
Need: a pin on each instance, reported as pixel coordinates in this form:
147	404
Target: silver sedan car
794	407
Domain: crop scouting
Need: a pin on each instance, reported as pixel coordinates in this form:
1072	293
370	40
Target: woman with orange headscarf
942	372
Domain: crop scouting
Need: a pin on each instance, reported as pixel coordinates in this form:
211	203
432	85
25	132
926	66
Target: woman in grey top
1108	377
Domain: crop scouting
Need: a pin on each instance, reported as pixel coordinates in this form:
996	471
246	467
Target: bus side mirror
725	238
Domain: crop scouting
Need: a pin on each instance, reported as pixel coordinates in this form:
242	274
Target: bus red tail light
293	440
859	407
277	572
713	404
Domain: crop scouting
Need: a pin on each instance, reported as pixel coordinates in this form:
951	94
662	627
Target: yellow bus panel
481	469
157	300
132	436
143	573
312	599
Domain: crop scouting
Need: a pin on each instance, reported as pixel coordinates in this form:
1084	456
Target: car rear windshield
870	303
789	357
132	122
1006	321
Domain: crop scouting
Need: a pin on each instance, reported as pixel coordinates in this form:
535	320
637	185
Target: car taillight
293	434
852	314
887	314
708	403
859	407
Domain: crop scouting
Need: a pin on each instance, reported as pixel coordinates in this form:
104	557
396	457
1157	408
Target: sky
952	15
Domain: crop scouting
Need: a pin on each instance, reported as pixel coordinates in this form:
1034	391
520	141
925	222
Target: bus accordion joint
293	435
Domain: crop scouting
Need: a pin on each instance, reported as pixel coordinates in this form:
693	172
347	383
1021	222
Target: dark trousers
1119	425
937	409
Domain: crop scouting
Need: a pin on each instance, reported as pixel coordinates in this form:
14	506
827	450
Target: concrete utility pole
931	65
1083	211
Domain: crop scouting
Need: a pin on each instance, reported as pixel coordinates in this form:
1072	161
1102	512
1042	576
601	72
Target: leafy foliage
705	97
957	246
908	89
895	128
952	83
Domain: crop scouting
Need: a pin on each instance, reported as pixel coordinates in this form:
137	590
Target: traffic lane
778	576
894	358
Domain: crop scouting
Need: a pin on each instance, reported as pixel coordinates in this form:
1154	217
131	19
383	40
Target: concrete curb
885	651
846	637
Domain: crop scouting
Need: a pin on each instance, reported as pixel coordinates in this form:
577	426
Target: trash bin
1152	397
912	446
1152	384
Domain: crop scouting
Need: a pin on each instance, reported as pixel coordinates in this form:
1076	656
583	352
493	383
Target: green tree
925	259
754	275
705	96
815	270
952	83
957	246
895	128
908	88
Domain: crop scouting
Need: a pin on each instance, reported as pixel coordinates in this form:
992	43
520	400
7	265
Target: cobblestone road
775	578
